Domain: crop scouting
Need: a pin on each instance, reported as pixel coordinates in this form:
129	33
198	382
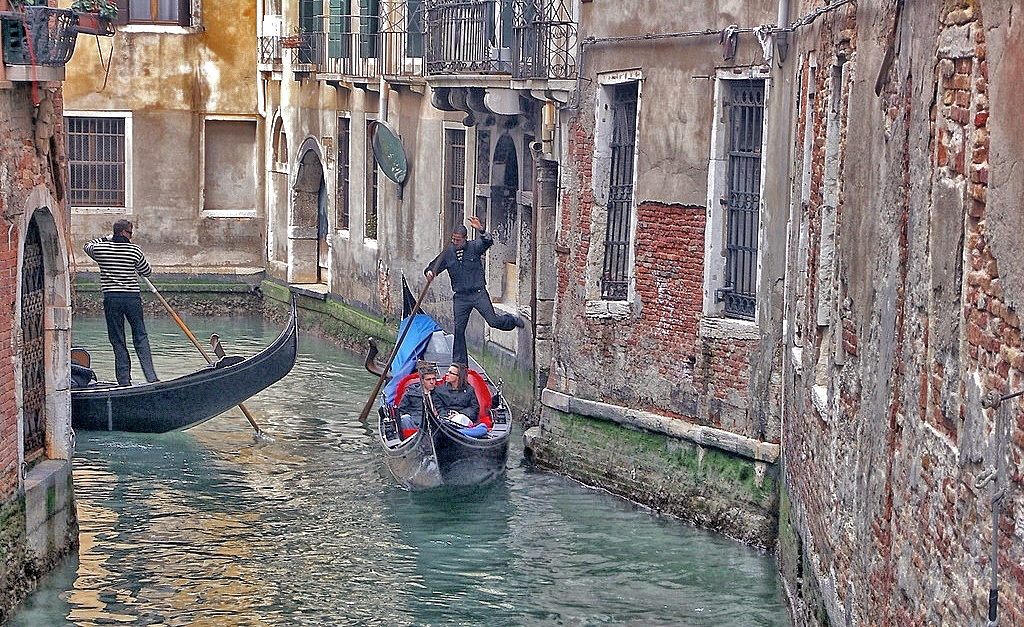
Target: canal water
210	526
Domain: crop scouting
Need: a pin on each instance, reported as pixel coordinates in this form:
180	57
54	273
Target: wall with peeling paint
171	80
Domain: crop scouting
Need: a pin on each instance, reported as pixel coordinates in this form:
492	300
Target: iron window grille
371	186
343	174
455	179
96	152
618	232
743	197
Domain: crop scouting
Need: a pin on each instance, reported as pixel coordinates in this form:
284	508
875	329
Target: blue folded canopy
420	327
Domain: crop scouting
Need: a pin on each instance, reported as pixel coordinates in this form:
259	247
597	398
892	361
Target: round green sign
388	151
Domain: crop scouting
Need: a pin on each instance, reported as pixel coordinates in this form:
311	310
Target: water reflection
212	527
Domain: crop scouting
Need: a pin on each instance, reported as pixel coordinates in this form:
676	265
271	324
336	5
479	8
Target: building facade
902	446
667	260
38	524
163	126
468	97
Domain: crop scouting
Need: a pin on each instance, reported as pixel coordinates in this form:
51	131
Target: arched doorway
308	226
504	223
33	342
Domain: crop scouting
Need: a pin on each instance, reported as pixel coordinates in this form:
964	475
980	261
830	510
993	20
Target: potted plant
95	17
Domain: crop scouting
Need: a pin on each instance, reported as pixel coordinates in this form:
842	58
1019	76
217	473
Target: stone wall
687	371
704	485
37	525
903	322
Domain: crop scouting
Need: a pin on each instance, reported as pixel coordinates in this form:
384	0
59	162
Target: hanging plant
103	8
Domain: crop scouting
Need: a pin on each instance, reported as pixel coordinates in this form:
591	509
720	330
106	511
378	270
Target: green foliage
105	8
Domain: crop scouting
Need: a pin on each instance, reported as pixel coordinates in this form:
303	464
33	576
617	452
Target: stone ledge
672	427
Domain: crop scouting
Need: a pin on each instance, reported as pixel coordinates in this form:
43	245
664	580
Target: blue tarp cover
413	344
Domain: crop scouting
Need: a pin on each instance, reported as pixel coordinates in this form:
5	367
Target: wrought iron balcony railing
359	55
269	52
389	43
524	38
38	35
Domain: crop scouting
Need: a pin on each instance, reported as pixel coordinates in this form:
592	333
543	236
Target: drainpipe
382	103
995	476
782	36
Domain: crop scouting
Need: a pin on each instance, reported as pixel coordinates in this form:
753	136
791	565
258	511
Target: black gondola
441	453
186	401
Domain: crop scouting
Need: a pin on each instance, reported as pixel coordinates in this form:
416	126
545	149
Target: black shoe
519	322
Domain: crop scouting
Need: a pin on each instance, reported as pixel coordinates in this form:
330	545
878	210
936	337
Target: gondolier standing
120	261
463	261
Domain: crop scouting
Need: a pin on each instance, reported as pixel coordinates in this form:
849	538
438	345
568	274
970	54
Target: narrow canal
211	527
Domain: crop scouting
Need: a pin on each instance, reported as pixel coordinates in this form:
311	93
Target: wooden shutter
185	12
122	12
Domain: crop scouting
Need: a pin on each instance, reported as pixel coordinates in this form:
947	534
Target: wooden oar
206	356
394	351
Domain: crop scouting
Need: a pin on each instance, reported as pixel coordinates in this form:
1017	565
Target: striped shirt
119	263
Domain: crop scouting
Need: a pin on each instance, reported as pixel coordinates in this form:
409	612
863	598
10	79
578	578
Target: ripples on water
212	527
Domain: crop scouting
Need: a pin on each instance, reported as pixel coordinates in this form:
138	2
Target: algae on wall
710	488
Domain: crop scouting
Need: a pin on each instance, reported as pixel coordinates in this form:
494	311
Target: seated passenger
417	399
456	399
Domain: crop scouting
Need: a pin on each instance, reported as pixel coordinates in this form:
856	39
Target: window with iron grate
96	153
615	273
454	180
743	197
342	201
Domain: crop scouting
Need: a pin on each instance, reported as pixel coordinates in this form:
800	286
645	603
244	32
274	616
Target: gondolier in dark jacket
120	262
464	262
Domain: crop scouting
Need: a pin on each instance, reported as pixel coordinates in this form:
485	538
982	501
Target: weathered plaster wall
677	95
170	79
886	443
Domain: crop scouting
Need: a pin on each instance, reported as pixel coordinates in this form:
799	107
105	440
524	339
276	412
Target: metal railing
522	38
269	51
364	46
38	35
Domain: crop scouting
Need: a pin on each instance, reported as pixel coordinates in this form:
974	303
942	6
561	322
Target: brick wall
21	171
654	359
8	408
887	443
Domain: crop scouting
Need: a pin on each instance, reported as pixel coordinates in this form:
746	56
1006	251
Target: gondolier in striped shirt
120	263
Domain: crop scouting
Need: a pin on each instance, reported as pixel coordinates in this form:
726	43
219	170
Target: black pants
462	306
117	308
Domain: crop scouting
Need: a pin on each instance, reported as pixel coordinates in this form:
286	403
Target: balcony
359	48
496	41
38	41
268	55
522	39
